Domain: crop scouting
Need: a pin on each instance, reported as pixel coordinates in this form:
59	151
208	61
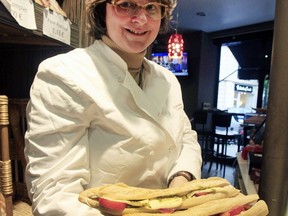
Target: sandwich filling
157	203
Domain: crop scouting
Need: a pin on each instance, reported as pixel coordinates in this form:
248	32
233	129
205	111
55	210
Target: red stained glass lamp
175	43
175	46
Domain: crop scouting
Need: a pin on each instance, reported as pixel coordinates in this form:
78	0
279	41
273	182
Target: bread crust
122	191
227	191
258	208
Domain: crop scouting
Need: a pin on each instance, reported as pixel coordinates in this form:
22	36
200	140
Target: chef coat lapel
151	100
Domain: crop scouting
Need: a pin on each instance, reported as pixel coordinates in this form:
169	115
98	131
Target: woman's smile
136	32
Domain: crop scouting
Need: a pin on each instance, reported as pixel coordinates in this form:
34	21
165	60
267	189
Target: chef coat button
152	153
120	79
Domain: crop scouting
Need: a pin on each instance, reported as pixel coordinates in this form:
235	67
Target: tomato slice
166	210
111	204
237	210
201	194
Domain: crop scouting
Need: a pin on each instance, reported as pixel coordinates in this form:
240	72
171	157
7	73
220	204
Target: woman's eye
151	8
127	5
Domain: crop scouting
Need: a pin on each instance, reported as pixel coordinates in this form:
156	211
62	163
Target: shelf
12	33
246	184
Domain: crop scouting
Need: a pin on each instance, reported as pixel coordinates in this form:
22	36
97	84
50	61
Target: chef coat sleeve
190	158
56	148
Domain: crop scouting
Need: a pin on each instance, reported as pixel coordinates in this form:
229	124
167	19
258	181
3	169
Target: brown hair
96	13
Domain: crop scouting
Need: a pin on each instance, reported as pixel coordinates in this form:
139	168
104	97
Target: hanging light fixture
175	44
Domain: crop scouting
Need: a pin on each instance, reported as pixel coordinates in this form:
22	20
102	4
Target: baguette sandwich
239	205
120	199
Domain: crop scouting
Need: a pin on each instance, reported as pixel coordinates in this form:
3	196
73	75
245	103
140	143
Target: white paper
23	12
7	4
56	26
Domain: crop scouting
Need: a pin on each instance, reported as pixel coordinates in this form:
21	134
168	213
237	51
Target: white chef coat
90	124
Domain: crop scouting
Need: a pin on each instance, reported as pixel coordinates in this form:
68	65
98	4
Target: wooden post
6	175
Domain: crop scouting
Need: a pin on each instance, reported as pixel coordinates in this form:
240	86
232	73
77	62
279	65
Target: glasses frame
139	7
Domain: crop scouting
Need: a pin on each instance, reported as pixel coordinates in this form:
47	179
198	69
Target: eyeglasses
154	10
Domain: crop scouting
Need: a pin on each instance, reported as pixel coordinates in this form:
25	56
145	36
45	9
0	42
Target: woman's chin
137	47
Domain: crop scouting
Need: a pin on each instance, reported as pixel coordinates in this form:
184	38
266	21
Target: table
246	185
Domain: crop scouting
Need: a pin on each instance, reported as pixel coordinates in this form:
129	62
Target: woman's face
134	33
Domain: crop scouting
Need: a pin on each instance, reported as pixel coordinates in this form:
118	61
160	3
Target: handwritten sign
22	11
56	26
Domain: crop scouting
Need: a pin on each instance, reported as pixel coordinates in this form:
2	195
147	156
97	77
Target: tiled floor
229	172
229	169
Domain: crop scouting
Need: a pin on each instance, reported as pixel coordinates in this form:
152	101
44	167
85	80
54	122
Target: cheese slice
167	202
157	203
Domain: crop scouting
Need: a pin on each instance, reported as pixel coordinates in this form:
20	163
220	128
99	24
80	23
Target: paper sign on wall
22	11
56	26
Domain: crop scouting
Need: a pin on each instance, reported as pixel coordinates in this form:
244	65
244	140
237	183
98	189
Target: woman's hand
179	180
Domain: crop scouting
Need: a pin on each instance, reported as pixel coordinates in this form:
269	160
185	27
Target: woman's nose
140	17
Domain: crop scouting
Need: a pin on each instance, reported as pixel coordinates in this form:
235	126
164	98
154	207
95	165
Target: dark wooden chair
13	164
17	118
204	134
222	137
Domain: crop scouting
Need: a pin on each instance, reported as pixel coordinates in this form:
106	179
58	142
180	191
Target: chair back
17	118
200	117
221	119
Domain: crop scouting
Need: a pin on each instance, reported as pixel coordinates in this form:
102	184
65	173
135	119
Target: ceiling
222	14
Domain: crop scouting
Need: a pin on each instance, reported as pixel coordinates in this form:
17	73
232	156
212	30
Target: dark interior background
19	60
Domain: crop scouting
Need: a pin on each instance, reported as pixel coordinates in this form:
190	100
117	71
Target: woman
105	114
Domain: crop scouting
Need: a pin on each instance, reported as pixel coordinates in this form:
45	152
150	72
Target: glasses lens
126	8
154	10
